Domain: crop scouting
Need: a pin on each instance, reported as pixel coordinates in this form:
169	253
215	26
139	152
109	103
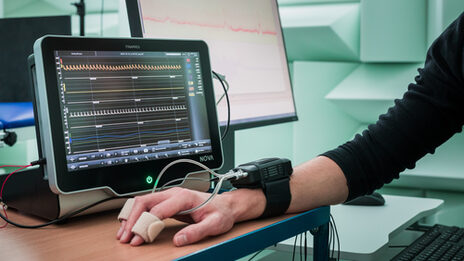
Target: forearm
316	183
313	184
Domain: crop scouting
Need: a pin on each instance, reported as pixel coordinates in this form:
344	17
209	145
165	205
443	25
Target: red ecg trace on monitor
257	30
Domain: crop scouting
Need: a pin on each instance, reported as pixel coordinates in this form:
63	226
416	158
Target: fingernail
118	235
124	235
181	240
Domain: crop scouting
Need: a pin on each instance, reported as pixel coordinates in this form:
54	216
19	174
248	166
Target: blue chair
14	115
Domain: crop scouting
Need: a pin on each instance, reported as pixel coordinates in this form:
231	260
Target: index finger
141	204
169	208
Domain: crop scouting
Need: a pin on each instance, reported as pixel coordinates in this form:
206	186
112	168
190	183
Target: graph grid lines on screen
125	109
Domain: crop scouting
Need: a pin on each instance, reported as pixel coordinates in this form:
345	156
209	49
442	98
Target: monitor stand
28	192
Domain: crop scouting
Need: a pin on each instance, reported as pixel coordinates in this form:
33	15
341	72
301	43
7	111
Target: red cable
4	182
11	166
7	177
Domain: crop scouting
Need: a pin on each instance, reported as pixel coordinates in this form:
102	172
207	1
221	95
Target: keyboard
439	243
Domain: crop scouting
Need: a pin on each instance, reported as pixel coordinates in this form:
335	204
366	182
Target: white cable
215	192
182	179
180	161
229	175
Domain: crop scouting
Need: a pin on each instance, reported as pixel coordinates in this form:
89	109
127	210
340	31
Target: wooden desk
94	238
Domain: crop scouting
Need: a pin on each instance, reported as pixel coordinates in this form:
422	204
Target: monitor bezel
120	179
135	25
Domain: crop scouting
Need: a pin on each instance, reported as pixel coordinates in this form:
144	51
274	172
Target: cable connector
235	174
38	162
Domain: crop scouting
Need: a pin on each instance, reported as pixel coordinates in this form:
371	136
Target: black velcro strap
278	197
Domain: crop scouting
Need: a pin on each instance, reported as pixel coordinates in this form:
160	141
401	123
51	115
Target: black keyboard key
439	243
455	238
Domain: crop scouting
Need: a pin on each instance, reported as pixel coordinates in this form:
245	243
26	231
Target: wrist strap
278	197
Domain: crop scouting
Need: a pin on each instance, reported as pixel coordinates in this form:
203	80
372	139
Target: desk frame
316	220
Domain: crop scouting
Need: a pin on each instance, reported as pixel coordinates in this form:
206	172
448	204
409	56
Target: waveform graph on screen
113	104
198	18
245	43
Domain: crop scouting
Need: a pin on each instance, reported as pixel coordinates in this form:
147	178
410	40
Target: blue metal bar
270	235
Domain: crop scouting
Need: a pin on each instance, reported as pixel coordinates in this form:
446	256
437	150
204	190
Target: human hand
215	218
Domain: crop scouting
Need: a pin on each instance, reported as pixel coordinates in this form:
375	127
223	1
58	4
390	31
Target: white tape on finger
126	210
148	226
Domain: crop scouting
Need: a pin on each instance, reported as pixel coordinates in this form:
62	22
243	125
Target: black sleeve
430	112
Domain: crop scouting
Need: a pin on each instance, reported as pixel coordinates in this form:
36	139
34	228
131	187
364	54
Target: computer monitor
246	45
17	36
113	112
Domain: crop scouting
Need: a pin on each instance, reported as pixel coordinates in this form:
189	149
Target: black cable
66	216
306	246
257	253
332	233
294	247
338	238
226	130
333	242
301	244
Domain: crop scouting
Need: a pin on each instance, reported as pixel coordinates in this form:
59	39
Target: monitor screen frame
135	25
119	179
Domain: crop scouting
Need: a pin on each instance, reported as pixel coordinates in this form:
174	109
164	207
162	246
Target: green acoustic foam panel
393	30
328	32
263	142
23	151
305	2
321	125
440	13
451	212
371	88
25	8
409	192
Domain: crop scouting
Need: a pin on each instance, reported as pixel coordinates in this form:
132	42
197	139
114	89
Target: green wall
393	38
349	60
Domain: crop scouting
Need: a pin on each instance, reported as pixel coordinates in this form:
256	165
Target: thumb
209	226
191	234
